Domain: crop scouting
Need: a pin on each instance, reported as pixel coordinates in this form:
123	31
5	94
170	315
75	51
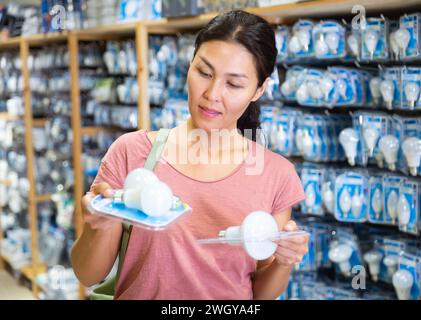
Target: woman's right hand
97	221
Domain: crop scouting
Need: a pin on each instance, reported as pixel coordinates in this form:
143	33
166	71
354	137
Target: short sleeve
289	191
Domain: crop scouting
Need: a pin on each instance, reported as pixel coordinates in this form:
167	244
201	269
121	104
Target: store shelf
43	198
5	116
5	182
39	122
93	131
27	271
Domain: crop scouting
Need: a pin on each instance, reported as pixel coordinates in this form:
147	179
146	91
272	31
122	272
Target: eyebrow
239	75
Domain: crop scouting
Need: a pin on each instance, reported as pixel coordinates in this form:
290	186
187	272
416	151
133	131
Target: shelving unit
140	31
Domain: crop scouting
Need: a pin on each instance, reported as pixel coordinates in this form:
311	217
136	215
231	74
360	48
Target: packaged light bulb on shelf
312	178
345	91
390	249
408	36
353	45
373	259
329	40
145	201
300	43
376	211
292	82
411	88
407	279
375	40
390	88
282	35
391	193
286	123
351	196
408	206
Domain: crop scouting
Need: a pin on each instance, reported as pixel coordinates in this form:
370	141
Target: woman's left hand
291	251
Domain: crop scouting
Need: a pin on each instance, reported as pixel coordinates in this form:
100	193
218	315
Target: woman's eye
232	85
207	75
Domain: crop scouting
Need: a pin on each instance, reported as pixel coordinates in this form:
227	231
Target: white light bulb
321	48
377	203
326	85
348	138
373	258
371	135
353	44
315	90
341	254
299	140
412	92
139	177
387	89
389	146
357	204
391	205
375	89
371	39
156	199
345	202
302	93
332	40
402	37
341	87
294	45
379	159
328	197
391	263
287	88
404	212
307	144
394	45
310	196
304	39
403	280
281	139
411	148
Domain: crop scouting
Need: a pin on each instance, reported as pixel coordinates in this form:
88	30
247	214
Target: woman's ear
260	90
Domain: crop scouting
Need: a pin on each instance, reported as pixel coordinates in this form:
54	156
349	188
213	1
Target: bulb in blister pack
310	196
281	139
411	148
328	197
341	254
332	41
341	87
373	259
387	89
349	140
392	200
375	89
315	90
287	88
353	44
394	45
294	45
345	202
377	203
139	177
402	37
321	48
302	93
403	280
356	204
371	135
391	263
326	85
304	39
412	92
371	38
307	144
404	212
299	140
389	146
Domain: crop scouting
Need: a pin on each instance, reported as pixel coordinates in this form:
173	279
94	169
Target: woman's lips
210	113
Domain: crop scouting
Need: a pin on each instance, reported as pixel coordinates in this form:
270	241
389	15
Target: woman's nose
214	91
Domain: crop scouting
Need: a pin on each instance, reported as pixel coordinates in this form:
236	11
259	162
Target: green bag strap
150	163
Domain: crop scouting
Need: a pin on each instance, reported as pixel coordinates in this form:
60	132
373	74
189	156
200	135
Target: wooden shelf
27	271
5	182
43	198
93	131
39	122
5	116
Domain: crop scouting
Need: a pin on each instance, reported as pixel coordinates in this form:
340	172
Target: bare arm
272	275
96	250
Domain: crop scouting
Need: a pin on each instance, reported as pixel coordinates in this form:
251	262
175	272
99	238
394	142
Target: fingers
103	189
300	249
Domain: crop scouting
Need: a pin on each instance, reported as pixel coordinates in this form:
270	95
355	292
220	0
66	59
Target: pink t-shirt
170	264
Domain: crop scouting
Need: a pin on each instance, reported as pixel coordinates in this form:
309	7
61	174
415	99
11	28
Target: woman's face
222	81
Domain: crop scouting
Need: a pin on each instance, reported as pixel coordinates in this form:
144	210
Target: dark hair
257	36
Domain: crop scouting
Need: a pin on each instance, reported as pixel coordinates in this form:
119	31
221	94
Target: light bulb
287	88
394	45
349	140
328	197
357	204
391	263
403	280
341	254
302	93
294	45
321	48
139	177
387	89
345	202
304	39
307	144
332	40
402	37
389	146
353	44
375	89
341	86
281	139
404	212
310	196
299	140
379	159
315	90
377	203
373	258
392	199
371	39
326	85
156	199
412	92
411	148
371	135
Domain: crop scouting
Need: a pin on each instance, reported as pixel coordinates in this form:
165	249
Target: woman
234	56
